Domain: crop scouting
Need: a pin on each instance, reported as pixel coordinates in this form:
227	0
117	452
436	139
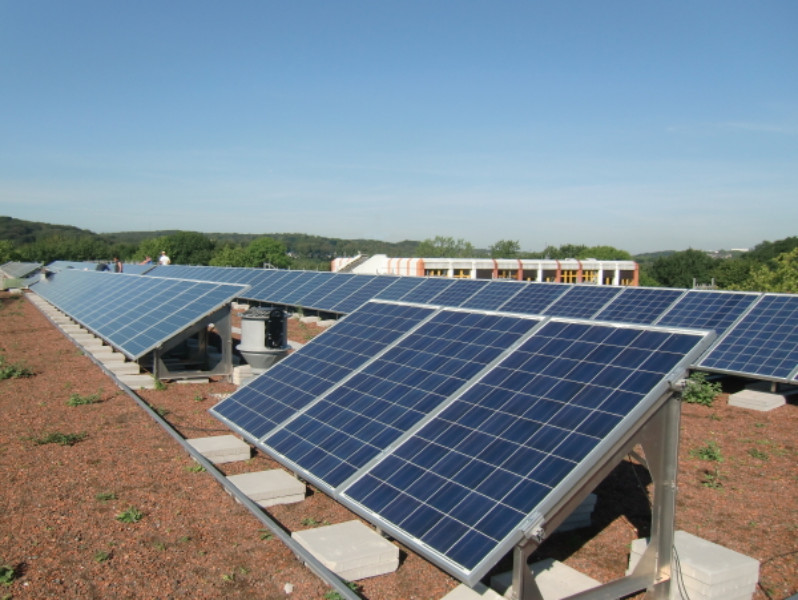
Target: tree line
769	266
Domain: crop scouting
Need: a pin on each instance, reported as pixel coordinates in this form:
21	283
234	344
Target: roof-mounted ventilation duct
264	337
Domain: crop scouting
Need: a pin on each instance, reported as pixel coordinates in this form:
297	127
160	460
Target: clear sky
641	125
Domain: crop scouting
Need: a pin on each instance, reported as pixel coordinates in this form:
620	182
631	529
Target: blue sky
641	125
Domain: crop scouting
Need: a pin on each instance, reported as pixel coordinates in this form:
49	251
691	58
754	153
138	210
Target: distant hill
20	232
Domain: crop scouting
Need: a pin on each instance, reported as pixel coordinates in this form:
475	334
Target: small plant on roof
697	390
709	452
131	515
7	574
78	400
62	439
8	371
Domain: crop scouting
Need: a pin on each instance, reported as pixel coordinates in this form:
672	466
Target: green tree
732	273
604	253
766	251
8	252
189	248
680	269
781	275
152	247
444	247
505	249
230	255
267	250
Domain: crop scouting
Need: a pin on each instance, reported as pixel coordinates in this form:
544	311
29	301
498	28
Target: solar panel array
133	313
458	425
19	270
342	293
764	342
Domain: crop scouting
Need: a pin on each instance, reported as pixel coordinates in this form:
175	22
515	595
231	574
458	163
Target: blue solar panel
318	286
582	301
353	423
461	487
639	305
370	290
344	286
270	281
19	270
427	289
494	295
133	313
534	297
400	288
300	378
460	292
707	310
763	343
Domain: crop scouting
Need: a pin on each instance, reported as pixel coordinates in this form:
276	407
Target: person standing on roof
164	259
117	265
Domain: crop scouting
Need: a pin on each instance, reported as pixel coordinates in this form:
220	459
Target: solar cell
461	487
582	301
337	435
639	305
764	343
707	309
300	378
533	298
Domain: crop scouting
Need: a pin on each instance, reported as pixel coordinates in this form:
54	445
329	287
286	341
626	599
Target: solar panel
764	343
707	309
460	292
134	313
533	298
427	289
462	488
639	305
297	380
340	286
582	301
354	422
370	290
19	270
494	295
401	287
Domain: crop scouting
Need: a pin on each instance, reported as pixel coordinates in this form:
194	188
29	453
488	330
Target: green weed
7	574
697	390
10	371
105	496
101	556
78	400
709	452
195	468
131	515
62	439
756	453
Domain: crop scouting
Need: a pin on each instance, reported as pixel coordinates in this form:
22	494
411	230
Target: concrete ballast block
350	550
554	579
707	571
268	488
222	448
756	400
479	592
